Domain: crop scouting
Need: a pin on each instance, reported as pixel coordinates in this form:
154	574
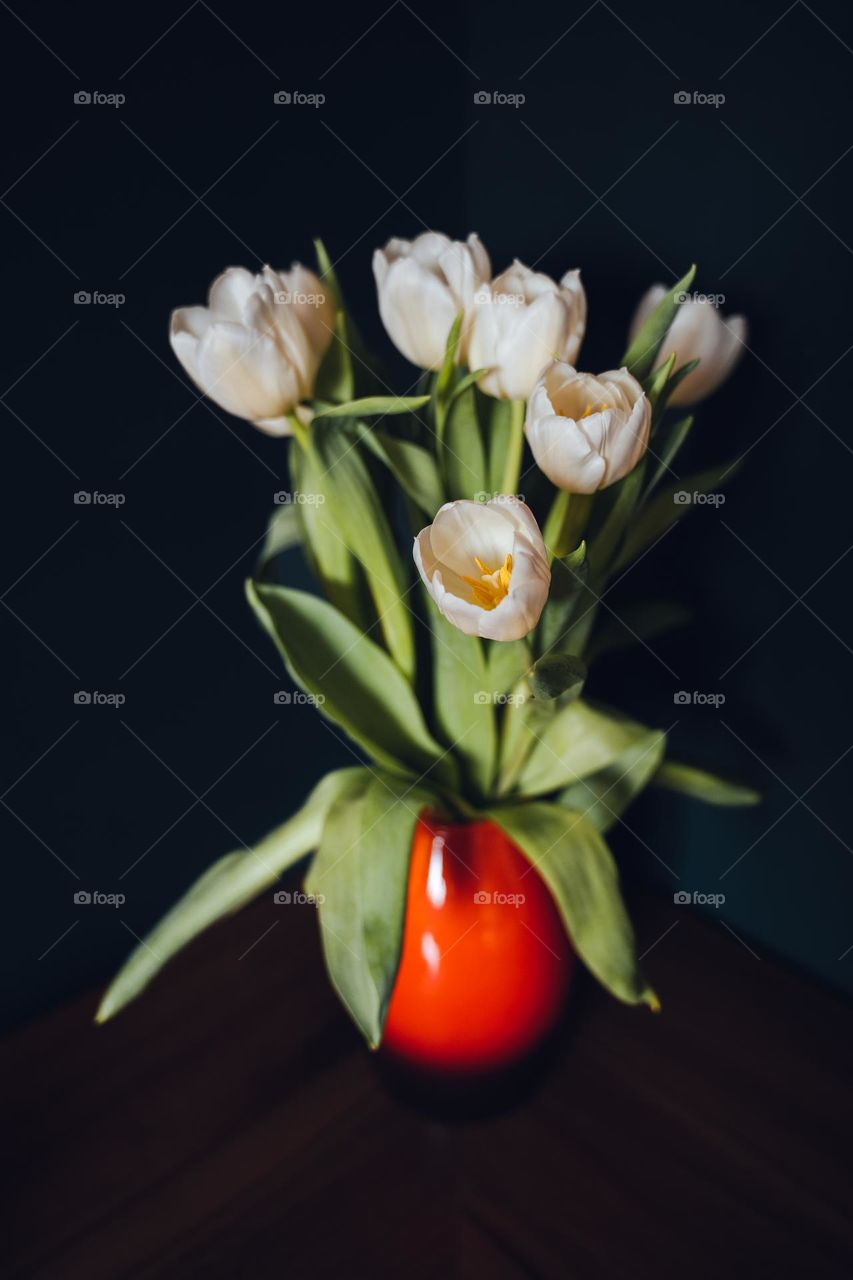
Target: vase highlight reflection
486	963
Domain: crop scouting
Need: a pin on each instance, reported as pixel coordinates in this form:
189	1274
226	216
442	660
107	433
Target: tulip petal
243	372
464	537
230	293
417	309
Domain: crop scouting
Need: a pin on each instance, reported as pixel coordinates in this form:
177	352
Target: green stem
300	432
555	524
515	448
566	522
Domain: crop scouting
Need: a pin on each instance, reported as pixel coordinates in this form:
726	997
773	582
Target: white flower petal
256	348
422	286
242	371
587	432
230	292
521	323
463	532
417	309
698	332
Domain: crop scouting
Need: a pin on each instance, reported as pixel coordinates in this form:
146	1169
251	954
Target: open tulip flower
450	627
485	566
698	332
587	432
256	347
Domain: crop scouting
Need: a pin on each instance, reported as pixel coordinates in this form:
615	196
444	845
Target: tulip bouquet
458	669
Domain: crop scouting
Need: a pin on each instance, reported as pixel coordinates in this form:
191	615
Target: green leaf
360	877
463	701
567	595
577	741
468	380
332	563
514	448
283	532
605	542
327	272
576	864
673	502
557	674
674	382
451	348
498	433
640	357
363	527
604	796
525	719
656	384
412	465
355	682
507	661
704	786
666	447
464	458
335	378
349	340
370	406
224	888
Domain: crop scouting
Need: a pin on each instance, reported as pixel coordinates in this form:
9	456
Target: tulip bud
587	432
256	347
486	567
520	322
423	284
698	332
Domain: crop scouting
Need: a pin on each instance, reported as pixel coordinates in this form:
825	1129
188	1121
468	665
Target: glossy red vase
486	962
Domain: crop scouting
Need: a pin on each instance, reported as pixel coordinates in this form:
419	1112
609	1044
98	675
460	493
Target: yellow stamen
493	584
594	409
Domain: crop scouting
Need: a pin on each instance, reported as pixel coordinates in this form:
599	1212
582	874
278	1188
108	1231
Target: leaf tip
105	1011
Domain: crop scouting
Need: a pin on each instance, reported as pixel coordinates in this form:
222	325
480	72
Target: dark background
600	169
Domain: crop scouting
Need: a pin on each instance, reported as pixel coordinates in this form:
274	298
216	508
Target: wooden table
230	1124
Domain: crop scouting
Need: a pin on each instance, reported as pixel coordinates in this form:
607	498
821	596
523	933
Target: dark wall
198	169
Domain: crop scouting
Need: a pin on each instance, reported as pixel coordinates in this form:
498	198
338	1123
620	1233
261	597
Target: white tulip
486	567
256	347
521	321
697	332
586	432
423	284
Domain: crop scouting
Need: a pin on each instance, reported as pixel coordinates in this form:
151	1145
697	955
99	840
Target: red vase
486	962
